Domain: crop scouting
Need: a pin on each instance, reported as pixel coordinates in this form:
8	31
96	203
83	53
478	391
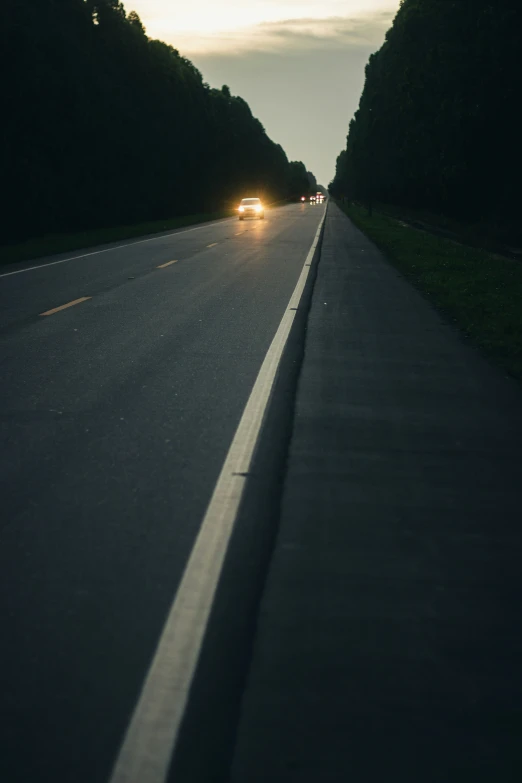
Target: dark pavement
389	644
366	623
116	416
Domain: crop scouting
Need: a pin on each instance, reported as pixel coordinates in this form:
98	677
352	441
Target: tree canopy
104	126
437	122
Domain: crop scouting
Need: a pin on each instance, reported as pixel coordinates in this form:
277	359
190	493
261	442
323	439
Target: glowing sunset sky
298	63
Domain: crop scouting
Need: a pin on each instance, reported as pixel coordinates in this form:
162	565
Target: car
251	207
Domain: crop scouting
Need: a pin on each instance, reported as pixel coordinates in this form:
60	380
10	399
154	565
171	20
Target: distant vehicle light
303	198
241	209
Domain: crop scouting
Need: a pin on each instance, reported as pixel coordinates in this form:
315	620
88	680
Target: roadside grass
479	292
504	238
63	243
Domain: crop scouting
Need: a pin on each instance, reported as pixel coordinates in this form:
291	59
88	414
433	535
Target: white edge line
151	736
117	247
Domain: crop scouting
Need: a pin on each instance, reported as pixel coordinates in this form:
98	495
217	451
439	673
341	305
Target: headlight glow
258	207
241	209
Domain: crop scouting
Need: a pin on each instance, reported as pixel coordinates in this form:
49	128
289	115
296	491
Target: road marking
65	306
162	266
213	244
118	247
152	733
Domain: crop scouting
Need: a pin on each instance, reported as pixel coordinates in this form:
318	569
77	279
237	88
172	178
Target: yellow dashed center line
162	266
65	306
213	244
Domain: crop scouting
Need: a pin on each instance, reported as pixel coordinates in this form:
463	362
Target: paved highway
125	374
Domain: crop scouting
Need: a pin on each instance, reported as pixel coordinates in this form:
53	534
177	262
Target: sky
299	64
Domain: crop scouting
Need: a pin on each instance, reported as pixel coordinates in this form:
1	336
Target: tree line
104	126
437	126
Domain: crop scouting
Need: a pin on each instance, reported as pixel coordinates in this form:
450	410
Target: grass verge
503	239
477	291
64	243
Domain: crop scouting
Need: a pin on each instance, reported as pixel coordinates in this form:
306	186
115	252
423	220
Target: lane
116	417
24	267
64	278
156	723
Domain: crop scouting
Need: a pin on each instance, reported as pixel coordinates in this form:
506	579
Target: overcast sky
298	63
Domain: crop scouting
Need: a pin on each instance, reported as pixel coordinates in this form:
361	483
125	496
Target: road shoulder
388	636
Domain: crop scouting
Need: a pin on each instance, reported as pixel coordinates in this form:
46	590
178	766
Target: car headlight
258	207
241	209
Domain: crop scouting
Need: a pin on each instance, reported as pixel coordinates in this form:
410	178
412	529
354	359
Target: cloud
335	31
292	35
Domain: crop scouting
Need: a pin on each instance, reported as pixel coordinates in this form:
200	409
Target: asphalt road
116	416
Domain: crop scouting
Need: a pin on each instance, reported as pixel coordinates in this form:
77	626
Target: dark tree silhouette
312	182
104	126
437	126
298	184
